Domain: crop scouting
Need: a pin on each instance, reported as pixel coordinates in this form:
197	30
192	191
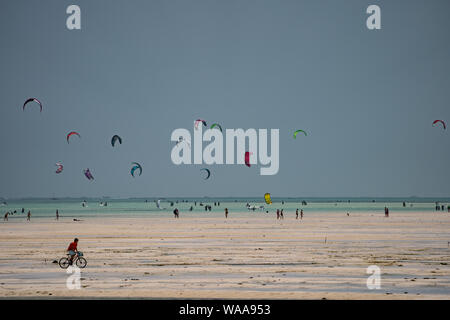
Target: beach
250	255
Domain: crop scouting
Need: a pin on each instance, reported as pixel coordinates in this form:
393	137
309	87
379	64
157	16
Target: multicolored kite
436	121
134	168
88	174
31	100
71	134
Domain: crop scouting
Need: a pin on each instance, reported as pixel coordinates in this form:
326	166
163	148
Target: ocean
147	206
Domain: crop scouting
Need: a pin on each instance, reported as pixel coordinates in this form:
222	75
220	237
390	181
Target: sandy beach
247	256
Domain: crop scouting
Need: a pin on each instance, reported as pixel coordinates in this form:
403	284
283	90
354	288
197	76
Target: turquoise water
136	207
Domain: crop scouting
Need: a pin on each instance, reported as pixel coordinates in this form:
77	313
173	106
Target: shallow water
135	207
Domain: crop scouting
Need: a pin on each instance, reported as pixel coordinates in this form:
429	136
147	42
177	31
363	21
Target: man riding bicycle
72	249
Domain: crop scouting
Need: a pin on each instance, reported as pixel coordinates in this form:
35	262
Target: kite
71	134
60	167
296	132
114	139
267	198
30	100
137	166
198	121
88	174
216	125
209	172
436	121
247	158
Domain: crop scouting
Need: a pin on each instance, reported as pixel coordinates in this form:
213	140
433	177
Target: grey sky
141	69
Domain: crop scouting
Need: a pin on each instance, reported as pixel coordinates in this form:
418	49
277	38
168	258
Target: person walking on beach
176	213
301	214
281	214
5	218
226	213
57	215
278	214
72	250
29	215
296	214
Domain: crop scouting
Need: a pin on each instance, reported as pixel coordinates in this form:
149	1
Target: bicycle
80	262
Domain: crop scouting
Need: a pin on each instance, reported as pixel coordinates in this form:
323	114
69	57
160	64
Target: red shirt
72	246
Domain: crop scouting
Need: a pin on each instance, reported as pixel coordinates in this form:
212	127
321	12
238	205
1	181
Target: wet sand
247	256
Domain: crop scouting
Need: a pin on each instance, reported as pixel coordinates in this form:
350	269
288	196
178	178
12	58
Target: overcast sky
140	69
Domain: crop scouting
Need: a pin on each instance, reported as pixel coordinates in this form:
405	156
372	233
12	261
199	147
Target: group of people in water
441	207
280	214
8	213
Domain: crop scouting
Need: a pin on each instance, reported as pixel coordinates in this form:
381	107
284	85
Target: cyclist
72	249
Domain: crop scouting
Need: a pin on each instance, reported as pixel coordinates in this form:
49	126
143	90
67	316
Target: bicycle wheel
81	262
64	263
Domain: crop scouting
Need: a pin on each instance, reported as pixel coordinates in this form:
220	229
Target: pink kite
247	158
197	123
